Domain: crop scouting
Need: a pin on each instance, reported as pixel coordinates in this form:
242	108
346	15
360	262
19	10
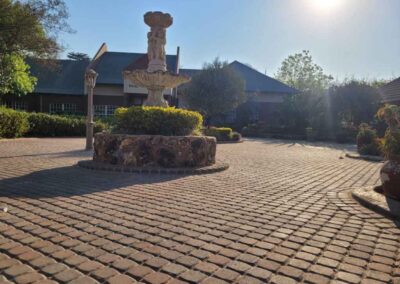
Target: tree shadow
66	154
303	143
73	180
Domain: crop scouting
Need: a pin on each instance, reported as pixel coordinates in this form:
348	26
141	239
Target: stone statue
156	44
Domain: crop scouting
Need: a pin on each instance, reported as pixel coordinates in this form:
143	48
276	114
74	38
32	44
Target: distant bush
157	121
221	133
346	134
12	123
47	125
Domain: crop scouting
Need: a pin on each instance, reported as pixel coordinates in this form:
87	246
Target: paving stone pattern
280	214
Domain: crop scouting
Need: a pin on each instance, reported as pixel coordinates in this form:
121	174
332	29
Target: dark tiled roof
110	65
391	91
254	80
62	77
258	82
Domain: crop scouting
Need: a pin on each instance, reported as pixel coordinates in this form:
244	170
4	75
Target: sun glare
326	5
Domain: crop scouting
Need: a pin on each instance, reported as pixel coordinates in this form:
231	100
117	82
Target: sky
347	38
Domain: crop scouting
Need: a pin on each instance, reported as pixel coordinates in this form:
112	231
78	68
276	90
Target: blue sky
359	38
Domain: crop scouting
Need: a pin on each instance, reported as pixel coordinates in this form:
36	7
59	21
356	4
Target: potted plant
390	172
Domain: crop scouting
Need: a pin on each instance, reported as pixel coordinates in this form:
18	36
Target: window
16	105
62	108
104	110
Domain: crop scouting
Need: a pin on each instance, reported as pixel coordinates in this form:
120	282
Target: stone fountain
154	153
156	78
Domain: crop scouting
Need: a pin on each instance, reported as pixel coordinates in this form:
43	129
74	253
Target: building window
17	105
62	108
137	101
104	110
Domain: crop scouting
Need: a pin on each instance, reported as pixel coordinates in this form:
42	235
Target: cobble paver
282	213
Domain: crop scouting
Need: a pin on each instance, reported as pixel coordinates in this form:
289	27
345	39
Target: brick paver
282	213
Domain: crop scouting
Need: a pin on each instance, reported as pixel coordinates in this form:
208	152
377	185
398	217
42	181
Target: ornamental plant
391	141
368	142
157	121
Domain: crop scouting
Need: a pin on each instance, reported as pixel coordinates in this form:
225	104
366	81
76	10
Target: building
391	92
61	88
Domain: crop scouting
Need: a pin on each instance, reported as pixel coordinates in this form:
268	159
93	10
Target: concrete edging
365	157
377	205
92	165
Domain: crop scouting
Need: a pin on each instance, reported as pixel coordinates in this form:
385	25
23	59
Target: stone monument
156	78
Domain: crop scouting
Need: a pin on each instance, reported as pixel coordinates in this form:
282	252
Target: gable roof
391	91
110	65
65	77
254	80
259	82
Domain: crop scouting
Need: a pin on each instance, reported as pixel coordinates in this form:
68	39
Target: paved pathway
281	214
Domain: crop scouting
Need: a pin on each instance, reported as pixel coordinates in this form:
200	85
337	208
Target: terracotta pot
390	177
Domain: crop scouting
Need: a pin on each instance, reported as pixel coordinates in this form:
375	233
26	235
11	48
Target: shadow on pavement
73	153
73	180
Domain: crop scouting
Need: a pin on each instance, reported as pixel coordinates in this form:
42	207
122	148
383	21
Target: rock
154	150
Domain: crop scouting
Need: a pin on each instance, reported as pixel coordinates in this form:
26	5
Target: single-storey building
391	92
61	88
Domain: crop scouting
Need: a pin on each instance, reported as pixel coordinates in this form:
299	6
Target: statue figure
156	44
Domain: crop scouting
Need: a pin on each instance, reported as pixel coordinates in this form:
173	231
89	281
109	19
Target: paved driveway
281	214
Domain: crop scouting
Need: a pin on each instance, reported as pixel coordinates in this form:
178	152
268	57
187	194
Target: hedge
17	123
222	133
12	123
46	125
157	121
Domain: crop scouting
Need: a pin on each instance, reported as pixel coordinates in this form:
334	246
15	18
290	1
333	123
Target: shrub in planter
47	125
12	123
390	172
157	121
368	142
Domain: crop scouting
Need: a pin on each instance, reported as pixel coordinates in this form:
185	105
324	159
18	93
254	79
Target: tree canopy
308	107
78	56
28	28
216	90
299	71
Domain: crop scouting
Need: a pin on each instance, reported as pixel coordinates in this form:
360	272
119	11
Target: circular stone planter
154	151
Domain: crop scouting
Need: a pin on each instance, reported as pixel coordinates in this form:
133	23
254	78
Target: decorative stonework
154	150
156	78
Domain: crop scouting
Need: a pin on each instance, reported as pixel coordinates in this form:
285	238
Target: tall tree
28	28
78	56
300	72
308	107
216	90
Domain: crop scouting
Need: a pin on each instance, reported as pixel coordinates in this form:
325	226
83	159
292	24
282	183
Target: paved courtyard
282	213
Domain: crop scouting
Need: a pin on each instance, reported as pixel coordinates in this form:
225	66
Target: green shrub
157	121
221	133
236	136
12	123
391	141
367	140
47	125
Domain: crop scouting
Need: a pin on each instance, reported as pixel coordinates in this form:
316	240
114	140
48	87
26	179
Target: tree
14	76
216	90
28	28
300	72
354	101
78	56
308	107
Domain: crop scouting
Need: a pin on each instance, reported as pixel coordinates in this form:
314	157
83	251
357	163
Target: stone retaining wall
154	150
